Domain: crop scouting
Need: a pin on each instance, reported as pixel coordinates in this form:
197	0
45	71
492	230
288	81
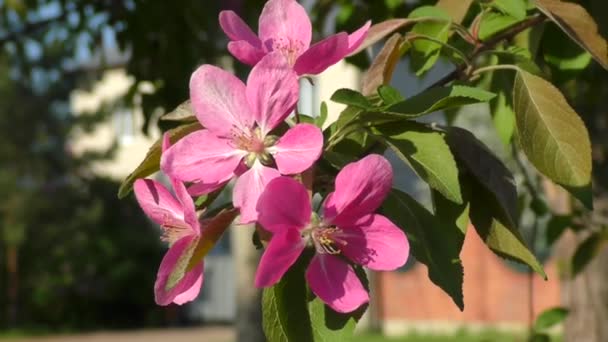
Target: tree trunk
248	297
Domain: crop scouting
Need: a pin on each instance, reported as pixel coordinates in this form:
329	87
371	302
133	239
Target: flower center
173	230
291	48
326	240
254	142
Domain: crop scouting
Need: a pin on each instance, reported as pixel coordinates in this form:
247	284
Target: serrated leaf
498	231
439	98
383	66
576	22
488	170
435	245
424	52
514	8
351	98
550	317
151	162
586	251
492	23
426	151
552	135
379	31
183	112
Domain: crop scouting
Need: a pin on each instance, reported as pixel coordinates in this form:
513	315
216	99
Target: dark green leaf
539	337
488	170
552	135
151	162
562	53
433	244
351	97
424	52
389	95
549	318
556	226
586	251
576	22
426	151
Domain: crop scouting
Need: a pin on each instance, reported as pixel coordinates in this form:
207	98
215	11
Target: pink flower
284	26
349	231
181	229
238	119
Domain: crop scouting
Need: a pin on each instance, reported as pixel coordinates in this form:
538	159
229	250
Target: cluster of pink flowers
239	142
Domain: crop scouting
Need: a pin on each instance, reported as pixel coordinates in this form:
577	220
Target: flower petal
272	91
335	283
199	189
284	204
282	252
285	19
356	38
248	188
191	293
360	189
322	55
298	149
157	202
245	52
219	101
201	157
236	29
171	280
376	243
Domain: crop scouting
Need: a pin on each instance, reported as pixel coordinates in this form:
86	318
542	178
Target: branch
506	34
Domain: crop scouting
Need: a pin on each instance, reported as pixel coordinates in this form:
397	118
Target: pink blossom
181	230
236	141
284	26
348	231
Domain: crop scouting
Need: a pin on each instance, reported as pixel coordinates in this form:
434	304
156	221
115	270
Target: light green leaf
514	8
433	244
552	135
550	317
351	98
151	162
425	53
576	22
389	95
457	9
426	151
487	169
183	113
322	118
497	230
492	23
503	116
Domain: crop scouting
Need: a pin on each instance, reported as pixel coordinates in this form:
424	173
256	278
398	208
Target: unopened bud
270	140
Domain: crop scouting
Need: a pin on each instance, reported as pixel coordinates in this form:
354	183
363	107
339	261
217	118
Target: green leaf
426	151
183	113
539	337
351	98
285	316
492	23
562	53
329	325
552	135
576	22
457	9
425	53
586	251
322	118
487	169
439	98
433	244
389	95
514	8
556	226
497	230
550	317
383	66
151	162
501	108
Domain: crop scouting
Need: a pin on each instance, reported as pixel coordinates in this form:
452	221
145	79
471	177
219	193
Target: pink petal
248	189
245	52
322	55
157	202
375	242
272	91
360	189
284	204
199	189
285	19
356	38
219	101
298	149
173	259
236	29
282	252
335	283
201	157
191	293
